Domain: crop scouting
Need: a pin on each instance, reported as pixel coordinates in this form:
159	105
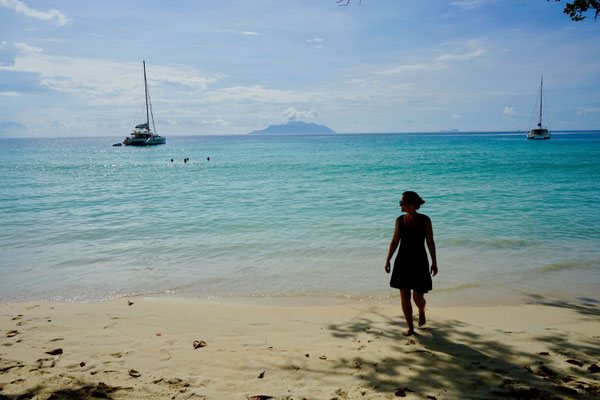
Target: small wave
492	242
569	265
456	288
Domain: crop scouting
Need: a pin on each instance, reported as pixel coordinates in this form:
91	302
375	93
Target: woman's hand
434	269
387	267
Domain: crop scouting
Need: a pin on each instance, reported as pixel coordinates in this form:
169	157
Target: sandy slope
144	351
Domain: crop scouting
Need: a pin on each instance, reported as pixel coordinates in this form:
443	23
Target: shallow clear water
297	216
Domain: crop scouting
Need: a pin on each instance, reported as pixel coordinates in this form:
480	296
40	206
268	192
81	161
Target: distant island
293	127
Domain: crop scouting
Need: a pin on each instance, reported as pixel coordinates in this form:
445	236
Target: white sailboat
541	132
142	135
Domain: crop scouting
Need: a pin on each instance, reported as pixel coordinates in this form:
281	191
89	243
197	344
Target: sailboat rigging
541	132
142	135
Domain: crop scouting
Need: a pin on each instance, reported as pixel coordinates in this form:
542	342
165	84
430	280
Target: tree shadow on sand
453	359
79	391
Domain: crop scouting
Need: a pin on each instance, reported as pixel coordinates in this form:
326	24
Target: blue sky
74	68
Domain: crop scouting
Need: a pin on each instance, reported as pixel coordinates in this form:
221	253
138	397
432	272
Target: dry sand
351	351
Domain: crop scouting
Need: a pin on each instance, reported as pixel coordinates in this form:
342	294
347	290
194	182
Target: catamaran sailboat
142	135
541	132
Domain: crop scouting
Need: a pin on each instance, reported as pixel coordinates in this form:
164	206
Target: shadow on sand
83	390
455	360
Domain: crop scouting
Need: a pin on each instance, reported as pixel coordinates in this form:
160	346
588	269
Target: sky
74	68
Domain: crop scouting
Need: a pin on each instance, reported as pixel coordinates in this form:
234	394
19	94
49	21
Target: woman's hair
413	198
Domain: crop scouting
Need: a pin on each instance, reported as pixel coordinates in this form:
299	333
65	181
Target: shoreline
145	350
463	296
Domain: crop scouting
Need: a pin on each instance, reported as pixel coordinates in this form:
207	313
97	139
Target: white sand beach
353	351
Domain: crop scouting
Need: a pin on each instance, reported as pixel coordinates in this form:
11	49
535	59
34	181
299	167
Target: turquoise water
297	217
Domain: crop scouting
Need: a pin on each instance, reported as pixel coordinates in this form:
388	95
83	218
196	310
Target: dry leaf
199	343
261	375
400	393
527	367
544	353
575	362
410	342
82	364
55	352
134	373
159	334
323	357
260	397
129	303
12	333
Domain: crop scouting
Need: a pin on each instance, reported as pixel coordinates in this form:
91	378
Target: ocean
298	219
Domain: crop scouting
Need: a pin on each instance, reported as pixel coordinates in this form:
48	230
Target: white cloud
455	116
586	111
455	51
294	114
461	57
315	40
509	111
3	44
9	94
468	4
101	81
434	66
461	51
59	18
245	33
27	49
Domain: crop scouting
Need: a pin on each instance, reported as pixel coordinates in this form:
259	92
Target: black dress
411	267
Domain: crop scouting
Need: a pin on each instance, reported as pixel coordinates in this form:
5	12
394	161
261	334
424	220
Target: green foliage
577	8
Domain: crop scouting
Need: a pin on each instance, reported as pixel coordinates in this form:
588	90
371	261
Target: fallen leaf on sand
593	369
134	373
261	375
410	342
55	352
575	362
260	397
82	364
401	392
12	333
159	334
527	367
199	343
129	302
297	368
544	353
323	357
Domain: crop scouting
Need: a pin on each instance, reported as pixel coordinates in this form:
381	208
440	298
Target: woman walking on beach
411	268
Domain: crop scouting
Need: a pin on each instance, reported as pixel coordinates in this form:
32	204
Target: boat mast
146	92
541	96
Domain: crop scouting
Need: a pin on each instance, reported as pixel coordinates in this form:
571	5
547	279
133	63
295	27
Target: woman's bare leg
407	310
420	302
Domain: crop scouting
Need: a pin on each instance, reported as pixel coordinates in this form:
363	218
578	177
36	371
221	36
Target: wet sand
145	350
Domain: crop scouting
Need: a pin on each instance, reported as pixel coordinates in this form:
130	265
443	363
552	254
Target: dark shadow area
452	358
78	391
585	306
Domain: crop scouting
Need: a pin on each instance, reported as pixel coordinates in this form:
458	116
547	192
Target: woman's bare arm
431	246
393	245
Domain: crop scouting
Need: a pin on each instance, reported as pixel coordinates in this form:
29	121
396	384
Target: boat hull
144	139
538	134
144	142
